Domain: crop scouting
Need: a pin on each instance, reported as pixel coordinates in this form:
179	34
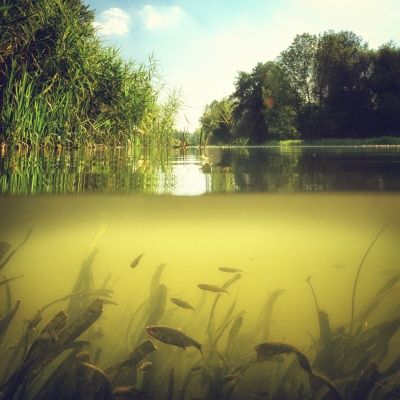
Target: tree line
327	86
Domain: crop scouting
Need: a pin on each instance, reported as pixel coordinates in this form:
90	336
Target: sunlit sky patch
202	44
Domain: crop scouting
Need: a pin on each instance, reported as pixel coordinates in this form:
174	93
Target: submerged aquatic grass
111	332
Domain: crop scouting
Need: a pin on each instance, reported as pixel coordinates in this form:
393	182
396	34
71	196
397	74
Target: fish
230	270
172	336
146	366
230	377
270	349
209	287
181	303
136	261
84	356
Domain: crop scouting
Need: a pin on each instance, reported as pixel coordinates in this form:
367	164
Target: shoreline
385	142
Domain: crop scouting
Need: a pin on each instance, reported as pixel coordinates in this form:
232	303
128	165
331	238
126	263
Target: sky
200	45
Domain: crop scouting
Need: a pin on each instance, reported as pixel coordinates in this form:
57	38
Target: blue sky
201	44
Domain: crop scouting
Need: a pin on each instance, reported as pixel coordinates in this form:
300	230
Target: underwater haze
272	317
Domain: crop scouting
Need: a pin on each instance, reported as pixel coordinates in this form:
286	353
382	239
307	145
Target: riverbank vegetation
60	86
331	86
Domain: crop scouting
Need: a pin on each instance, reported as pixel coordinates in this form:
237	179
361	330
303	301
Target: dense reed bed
143	354
60	86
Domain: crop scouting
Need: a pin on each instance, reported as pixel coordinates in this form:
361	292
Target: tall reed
59	85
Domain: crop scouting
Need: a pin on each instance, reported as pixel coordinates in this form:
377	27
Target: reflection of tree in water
226	170
347	169
265	170
303	169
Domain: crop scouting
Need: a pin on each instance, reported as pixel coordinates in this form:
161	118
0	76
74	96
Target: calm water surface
193	172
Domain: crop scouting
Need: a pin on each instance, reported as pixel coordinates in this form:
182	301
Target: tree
216	121
298	62
342	68
384	84
281	101
248	111
319	87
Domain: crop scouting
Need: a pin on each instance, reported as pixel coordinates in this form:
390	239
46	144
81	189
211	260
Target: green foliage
339	63
342	69
281	102
217	122
331	86
59	85
298	62
385	87
249	107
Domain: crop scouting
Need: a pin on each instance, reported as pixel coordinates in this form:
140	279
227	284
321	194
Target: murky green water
287	244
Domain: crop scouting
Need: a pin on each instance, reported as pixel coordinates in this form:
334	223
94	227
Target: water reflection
195	171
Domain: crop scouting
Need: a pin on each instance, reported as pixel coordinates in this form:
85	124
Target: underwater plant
67	354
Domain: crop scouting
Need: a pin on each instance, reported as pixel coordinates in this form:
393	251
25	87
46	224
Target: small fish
146	366
84	356
230	270
230	377
172	336
181	303
93	370
270	349
197	368
209	287
136	261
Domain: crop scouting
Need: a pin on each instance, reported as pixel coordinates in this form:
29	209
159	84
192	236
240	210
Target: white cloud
161	17
113	21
